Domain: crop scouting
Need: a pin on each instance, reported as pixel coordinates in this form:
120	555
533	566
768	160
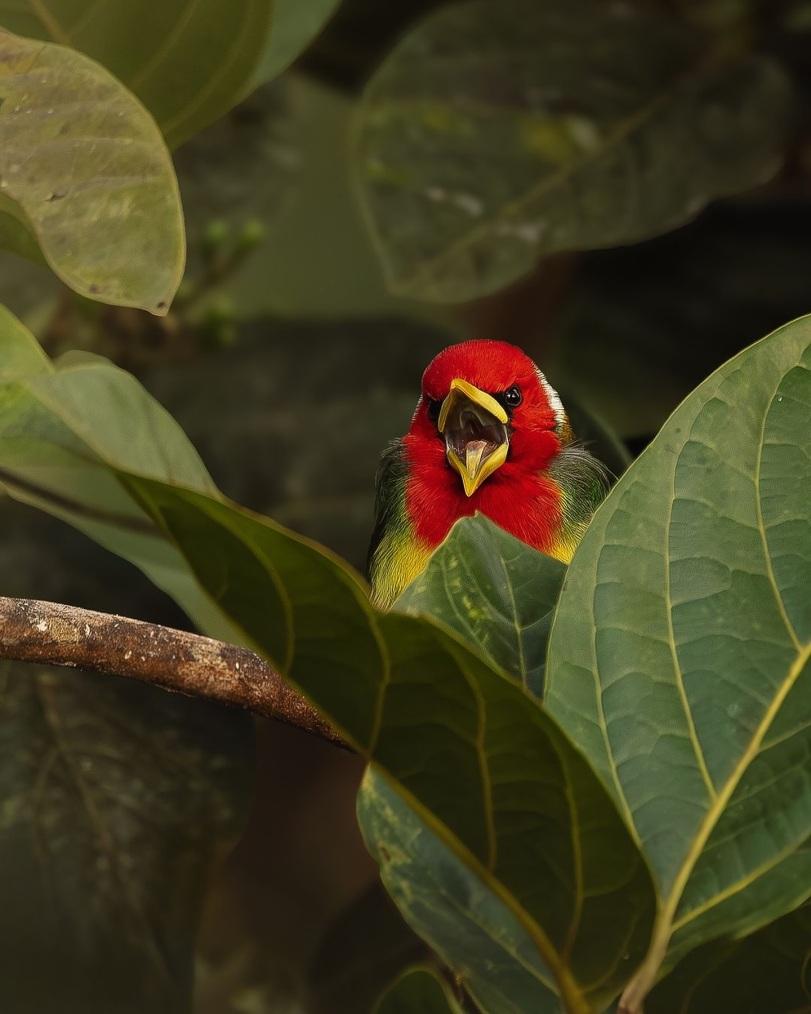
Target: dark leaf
767	971
497	133
118	801
366	947
418	991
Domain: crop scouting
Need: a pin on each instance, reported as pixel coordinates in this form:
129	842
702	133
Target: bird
489	435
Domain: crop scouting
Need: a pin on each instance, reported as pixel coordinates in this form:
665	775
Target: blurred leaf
494	134
767	971
418	991
597	436
644	325
85	178
464	745
797	16
680	650
363	950
118	801
722	15
243	168
496	592
190	63
62	429
290	275
295	24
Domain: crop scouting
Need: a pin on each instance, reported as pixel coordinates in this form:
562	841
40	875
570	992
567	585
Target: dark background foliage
290	366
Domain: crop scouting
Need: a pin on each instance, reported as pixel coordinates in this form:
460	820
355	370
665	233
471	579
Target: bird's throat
477	462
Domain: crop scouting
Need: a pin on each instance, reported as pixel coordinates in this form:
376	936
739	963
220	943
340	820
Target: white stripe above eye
553	398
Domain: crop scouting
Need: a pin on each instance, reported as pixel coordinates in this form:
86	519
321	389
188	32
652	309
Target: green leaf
418	991
64	428
679	656
471	751
20	353
85	178
118	801
191	63
767	971
295	25
496	592
496	133
449	906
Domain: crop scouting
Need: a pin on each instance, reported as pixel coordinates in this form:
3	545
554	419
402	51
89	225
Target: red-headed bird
489	434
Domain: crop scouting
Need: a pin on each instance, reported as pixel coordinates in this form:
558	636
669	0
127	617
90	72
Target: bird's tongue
474	451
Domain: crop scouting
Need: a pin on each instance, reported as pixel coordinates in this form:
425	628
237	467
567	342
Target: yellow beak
474	426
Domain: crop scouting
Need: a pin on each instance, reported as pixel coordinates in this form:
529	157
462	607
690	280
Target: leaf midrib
735	888
664	929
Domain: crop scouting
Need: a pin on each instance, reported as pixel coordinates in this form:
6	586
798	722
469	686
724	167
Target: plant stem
56	634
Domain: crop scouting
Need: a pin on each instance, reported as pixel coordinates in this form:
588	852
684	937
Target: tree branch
54	634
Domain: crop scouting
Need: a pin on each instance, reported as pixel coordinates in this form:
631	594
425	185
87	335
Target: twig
55	634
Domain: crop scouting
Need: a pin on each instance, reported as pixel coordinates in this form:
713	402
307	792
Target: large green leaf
494	590
64	427
418	991
767	971
86	181
189	63
449	906
474	756
679	656
495	133
118	801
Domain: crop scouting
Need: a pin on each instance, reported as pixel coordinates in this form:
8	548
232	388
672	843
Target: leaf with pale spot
86	180
497	133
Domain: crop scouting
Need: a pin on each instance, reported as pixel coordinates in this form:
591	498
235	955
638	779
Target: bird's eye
512	397
433	408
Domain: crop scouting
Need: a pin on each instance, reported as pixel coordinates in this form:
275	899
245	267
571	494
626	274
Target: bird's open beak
475	429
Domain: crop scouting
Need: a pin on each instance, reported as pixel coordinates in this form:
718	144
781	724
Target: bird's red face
488	411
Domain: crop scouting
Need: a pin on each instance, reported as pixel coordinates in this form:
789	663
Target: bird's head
490	409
